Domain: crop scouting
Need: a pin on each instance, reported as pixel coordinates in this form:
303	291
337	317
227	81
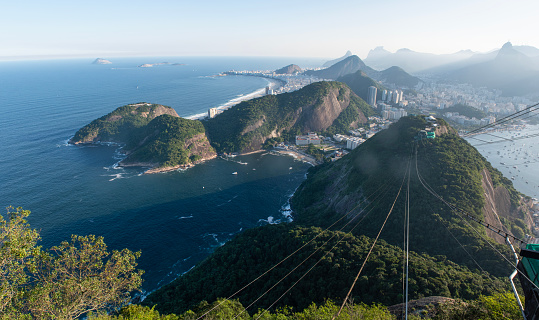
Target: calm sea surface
515	155
175	219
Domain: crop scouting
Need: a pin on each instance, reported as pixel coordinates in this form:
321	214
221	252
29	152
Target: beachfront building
311	138
212	112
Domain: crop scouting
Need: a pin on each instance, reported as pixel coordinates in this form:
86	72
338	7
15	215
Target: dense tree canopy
63	282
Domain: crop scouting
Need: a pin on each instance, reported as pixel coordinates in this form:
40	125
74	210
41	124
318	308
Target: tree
65	281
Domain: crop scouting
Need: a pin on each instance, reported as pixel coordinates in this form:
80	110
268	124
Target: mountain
321	106
341	68
449	164
397	76
359	82
290	69
510	71
154	136
340	208
332	62
412	61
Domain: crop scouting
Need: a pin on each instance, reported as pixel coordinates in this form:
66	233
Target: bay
175	219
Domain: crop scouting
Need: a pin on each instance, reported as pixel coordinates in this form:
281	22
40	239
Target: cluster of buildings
463	120
391	96
391	113
288	82
310	138
351	142
437	96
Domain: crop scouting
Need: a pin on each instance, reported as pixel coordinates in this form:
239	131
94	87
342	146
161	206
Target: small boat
234	172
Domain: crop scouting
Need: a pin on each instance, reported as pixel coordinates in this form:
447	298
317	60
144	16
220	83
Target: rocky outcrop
498	206
101	61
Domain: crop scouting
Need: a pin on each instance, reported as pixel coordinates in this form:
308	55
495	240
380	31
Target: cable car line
373	244
387	186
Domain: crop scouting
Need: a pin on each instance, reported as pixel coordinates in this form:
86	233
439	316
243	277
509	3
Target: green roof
532	265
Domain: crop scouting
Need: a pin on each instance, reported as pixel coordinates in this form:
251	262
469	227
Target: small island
149	65
101	61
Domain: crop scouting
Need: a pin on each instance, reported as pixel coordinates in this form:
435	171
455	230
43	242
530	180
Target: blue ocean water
175	219
515	155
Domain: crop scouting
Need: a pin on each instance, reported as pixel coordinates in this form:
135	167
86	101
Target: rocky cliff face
314	108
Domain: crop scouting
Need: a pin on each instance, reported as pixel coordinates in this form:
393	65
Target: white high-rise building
372	96
384	95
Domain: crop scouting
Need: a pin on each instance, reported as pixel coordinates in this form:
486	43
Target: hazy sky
309	28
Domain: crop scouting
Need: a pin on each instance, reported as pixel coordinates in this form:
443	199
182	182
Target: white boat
234	172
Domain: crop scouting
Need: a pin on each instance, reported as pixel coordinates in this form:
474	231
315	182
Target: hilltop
289	69
334	61
451	166
360	82
346	66
154	136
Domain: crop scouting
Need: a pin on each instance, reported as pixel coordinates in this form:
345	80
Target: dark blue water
175	219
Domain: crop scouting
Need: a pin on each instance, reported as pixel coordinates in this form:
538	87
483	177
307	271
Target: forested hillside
372	174
336	258
317	107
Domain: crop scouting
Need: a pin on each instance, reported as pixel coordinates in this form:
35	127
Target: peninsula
153	136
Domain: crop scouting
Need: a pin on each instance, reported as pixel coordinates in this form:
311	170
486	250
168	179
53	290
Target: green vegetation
499	306
246	126
152	134
118	125
450	165
357	109
167	140
64	282
247	256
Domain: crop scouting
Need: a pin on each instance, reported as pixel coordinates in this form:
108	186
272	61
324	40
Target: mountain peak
507	45
378	52
332	62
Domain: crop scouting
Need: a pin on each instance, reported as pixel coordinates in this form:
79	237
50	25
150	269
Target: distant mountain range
393	75
512	69
418	62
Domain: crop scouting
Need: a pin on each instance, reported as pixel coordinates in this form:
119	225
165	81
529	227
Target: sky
291	28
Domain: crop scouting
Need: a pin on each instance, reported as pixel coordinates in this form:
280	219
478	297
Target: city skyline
60	28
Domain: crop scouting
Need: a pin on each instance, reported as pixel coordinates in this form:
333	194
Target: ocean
515	155
175	219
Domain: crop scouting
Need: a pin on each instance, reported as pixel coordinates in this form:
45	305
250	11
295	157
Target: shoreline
274	84
153	169
296	155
